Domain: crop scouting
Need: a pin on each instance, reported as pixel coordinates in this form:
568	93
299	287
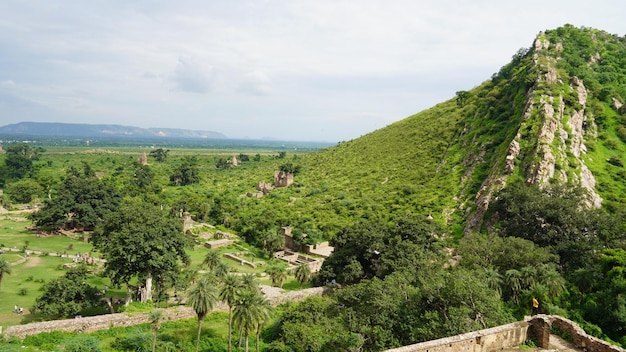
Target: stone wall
541	326
487	340
101	322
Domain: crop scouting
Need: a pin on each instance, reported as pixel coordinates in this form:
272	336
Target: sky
312	70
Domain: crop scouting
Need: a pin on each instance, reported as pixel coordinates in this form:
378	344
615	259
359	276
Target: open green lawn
21	287
14	234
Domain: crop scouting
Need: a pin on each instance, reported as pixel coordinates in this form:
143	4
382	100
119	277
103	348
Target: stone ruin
143	159
282	179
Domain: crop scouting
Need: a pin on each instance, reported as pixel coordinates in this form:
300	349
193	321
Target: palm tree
211	259
302	273
248	281
514	281
551	279
231	286
221	270
278	273
5	268
202	297
155	318
529	275
493	279
251	310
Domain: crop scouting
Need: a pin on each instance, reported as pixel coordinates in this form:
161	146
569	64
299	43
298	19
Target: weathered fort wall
493	339
541	325
101	322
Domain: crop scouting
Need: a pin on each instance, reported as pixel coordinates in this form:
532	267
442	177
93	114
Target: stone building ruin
282	179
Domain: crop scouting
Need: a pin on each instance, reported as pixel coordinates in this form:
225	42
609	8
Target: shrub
23	291
615	161
136	341
83	343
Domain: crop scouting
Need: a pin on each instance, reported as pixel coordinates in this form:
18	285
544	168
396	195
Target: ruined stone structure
510	336
263	187
143	159
218	243
282	179
187	221
296	259
541	325
487	340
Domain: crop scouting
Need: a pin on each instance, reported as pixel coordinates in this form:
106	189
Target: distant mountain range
56	129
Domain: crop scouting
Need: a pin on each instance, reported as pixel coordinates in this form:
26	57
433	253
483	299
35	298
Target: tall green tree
186	173
211	259
81	201
277	270
202	297
68	295
24	191
140	240
229	292
251	310
5	268
159	154
302	273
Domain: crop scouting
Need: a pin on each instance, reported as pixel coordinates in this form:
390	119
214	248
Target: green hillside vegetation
498	175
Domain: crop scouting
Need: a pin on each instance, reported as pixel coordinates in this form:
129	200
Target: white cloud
193	76
256	83
319	65
7	84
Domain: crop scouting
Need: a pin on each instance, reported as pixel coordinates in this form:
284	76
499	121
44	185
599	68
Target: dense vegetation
396	204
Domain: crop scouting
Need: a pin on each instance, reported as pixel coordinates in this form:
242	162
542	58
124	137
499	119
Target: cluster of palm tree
248	309
543	280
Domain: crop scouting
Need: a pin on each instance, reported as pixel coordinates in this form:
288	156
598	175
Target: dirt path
32	261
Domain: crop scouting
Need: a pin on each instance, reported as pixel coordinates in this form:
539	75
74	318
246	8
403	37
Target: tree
68	295
24	191
221	270
186	173
555	216
271	241
159	154
143	176
223	164
155	319
302	273
251	310
81	201
140	240
290	168
372	248
202	297
5	268
18	161
461	97
229	292
211	259
277	270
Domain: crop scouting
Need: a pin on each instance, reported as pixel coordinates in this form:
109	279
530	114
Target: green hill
553	114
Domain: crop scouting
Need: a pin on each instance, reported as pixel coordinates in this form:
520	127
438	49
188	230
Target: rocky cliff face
550	141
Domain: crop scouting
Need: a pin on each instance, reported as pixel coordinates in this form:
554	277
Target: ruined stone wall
487	340
542	324
101	322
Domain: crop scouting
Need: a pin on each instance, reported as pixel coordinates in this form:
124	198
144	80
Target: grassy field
30	273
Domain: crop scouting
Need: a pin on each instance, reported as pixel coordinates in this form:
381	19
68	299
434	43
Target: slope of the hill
555	113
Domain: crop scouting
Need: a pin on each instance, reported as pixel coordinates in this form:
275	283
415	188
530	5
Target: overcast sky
291	70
